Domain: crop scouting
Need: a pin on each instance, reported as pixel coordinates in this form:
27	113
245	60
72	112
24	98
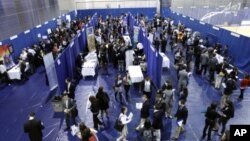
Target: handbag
118	125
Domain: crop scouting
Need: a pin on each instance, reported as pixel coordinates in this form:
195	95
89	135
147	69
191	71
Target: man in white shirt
146	87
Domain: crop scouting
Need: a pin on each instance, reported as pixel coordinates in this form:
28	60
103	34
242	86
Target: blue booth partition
154	60
150	12
61	71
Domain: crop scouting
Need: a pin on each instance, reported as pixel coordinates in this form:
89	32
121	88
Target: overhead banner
136	33
5	56
90	38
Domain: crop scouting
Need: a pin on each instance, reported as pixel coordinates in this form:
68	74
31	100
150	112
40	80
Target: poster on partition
90	38
5	55
136	33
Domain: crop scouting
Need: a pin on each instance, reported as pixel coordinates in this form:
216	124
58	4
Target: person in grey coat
183	78
204	62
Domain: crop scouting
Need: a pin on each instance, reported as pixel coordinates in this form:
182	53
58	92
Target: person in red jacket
244	83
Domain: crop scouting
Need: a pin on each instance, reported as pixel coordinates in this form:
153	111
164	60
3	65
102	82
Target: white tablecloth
88	68
91	56
135	74
15	73
165	61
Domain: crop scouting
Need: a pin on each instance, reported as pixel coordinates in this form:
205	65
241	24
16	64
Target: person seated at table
4	74
22	66
23	55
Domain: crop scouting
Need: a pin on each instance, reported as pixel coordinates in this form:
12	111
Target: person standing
158	121
124	120
147	86
127	83
227	113
70	111
144	112
70	88
211	118
181	115
118	87
244	83
94	108
23	66
34	128
230	84
183	79
103	101
168	96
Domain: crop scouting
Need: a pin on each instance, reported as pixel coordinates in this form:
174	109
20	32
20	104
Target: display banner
5	56
136	33
90	38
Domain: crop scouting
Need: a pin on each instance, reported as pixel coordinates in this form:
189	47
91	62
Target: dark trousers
96	120
126	87
120	95
148	94
67	119
6	77
223	122
204	69
24	76
241	93
211	75
209	124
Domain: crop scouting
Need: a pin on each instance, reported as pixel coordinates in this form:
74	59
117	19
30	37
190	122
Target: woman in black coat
94	107
227	113
103	101
211	116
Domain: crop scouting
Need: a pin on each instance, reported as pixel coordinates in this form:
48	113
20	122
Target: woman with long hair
124	120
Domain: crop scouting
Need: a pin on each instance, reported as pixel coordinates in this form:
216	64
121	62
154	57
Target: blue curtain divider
61	71
154	60
238	44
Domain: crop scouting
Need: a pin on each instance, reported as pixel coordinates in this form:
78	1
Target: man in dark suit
70	110
158	121
70	88
181	115
34	128
144	112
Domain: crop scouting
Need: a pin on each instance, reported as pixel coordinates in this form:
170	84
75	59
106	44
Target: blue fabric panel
159	70
69	60
77	47
150	12
61	71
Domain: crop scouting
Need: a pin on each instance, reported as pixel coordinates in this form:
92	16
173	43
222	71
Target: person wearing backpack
227	113
103	101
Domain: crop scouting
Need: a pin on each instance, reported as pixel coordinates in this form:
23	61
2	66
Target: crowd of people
191	53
